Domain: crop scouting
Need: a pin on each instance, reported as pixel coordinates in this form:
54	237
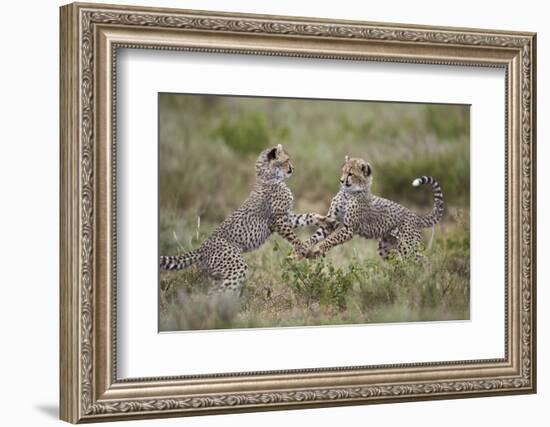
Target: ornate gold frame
90	36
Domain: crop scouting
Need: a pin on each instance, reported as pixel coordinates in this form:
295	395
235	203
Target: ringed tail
437	212
178	262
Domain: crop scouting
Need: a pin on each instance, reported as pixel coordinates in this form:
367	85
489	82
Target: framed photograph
266	212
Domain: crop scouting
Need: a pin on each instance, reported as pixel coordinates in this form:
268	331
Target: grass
350	285
208	146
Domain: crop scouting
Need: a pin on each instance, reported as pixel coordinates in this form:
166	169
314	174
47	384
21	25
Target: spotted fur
357	211
267	210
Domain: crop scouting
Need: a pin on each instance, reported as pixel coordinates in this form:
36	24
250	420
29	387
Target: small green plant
318	281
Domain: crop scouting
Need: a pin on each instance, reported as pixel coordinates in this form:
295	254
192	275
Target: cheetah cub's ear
272	154
366	169
346	159
279	148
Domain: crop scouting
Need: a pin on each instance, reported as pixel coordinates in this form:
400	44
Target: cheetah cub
358	211
268	209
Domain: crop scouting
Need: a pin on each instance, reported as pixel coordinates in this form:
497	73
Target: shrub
318	281
447	121
450	169
248	133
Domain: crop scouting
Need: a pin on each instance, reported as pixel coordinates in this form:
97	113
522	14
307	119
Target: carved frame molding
90	37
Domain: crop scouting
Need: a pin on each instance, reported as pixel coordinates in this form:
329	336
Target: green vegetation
208	147
247	133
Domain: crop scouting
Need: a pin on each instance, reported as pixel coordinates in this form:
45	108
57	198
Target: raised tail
179	262
437	213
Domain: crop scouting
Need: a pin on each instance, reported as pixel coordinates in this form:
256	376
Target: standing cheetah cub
268	209
358	211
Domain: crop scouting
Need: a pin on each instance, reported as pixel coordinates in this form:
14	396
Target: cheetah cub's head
356	175
274	164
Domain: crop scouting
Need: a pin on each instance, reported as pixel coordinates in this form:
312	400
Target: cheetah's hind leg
388	245
410	244
228	267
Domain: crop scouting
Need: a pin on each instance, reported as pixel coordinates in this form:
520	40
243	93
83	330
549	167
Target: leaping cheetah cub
358	211
267	209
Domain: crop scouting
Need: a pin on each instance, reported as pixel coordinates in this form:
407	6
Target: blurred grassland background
208	147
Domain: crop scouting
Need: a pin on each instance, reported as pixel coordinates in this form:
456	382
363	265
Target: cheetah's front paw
300	251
